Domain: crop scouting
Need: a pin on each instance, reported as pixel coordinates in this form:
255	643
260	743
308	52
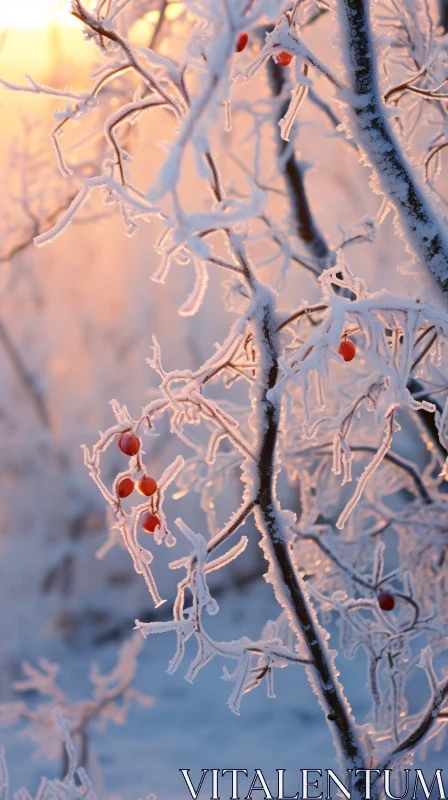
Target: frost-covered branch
424	229
74	784
255	659
293	172
429	718
283	573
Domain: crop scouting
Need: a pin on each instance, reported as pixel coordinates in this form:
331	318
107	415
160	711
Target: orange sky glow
35	14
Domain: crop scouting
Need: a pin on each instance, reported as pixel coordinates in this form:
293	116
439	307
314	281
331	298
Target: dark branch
306	226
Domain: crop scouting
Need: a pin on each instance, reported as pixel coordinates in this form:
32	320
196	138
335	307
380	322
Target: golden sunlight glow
141	30
172	11
35	14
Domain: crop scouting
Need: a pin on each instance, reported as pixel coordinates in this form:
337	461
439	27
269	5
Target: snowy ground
190	726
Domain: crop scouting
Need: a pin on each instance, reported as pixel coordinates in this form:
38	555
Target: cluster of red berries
129	444
282	58
146	486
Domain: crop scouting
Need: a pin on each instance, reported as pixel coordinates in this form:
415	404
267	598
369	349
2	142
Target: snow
190	726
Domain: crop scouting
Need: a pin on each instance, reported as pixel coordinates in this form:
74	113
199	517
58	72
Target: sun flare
34	14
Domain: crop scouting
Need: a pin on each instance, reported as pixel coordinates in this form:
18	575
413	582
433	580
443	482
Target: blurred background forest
76	321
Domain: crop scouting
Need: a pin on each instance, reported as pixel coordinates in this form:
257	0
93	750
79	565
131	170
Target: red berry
347	350
150	522
284	59
386	601
129	443
241	42
147	485
125	487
